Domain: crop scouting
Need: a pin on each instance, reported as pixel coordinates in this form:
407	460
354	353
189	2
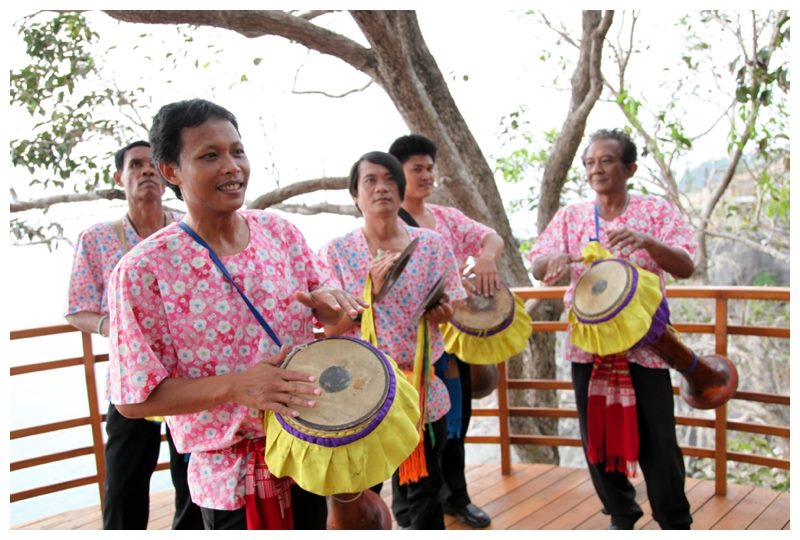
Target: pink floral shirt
572	226
349	257
175	315
96	254
464	235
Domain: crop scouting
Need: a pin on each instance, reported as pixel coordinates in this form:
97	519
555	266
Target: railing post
721	413
94	413
503	420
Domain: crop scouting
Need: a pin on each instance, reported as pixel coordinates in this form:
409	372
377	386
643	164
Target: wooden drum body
619	307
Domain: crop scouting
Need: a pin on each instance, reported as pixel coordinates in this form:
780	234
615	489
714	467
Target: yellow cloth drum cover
614	304
363	427
488	330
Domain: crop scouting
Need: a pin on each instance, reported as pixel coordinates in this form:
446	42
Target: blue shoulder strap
260	318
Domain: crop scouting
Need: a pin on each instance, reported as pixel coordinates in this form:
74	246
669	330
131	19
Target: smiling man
132	448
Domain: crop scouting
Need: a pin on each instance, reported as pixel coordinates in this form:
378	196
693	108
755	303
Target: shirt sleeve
316	271
467	233
139	354
553	237
674	230
86	282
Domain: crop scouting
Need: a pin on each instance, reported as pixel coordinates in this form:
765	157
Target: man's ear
118	179
168	173
632	168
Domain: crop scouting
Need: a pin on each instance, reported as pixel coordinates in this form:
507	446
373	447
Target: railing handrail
720	328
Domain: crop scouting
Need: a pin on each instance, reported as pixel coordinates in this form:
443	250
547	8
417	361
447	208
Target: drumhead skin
484	315
603	290
353	378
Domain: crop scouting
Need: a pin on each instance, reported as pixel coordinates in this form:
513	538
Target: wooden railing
719	327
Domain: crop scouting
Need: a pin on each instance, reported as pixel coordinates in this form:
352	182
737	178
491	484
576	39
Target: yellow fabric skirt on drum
614	304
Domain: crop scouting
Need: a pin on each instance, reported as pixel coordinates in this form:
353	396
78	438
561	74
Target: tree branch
298	188
252	24
779	255
321	208
47	202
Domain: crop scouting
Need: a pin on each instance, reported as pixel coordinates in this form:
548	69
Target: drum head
481	314
396	269
603	289
353	378
431	299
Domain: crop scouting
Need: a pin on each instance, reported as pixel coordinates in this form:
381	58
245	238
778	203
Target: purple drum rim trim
333	442
625	301
657	327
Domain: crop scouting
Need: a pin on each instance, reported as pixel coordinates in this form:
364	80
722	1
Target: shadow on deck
535	497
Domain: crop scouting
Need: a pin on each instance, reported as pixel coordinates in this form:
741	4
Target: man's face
378	193
138	176
604	168
420	177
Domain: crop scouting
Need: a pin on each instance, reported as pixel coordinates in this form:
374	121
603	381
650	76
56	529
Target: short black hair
383	159
627	148
119	157
171	119
412	145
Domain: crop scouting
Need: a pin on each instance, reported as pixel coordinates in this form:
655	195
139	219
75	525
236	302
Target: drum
619	307
361	511
487	329
363	426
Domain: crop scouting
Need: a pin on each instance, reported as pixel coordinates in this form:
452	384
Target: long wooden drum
619	307
362	428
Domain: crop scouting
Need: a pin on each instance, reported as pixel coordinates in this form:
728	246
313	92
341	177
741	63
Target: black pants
310	512
660	457
416	505
454	489
131	455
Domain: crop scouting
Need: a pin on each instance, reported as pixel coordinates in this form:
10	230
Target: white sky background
293	137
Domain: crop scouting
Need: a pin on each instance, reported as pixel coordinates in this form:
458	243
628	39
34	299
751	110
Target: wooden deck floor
536	497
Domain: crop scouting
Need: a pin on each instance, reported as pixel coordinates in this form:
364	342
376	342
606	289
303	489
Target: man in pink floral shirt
467	238
185	344
377	185
650	232
132	446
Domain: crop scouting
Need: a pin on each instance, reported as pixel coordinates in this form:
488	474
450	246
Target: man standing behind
466	238
132	447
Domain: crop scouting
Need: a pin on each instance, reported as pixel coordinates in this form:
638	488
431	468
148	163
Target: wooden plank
718	506
747	510
585	505
553	500
599	520
697	493
775	516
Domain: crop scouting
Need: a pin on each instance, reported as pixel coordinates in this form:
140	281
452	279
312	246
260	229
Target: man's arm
87	321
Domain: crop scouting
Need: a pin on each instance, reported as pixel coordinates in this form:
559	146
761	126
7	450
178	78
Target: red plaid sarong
268	500
611	416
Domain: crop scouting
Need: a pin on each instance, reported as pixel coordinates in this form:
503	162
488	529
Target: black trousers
416	505
131	455
310	512
660	457
454	489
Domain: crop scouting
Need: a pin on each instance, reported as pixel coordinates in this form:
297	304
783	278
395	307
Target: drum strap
259	317
612	431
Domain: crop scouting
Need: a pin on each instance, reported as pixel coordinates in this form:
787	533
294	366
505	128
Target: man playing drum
132	446
467	238
361	260
203	313
650	232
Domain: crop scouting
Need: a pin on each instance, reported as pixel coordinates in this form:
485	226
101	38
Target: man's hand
329	303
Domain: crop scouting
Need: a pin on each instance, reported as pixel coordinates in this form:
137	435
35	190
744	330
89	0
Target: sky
292	137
